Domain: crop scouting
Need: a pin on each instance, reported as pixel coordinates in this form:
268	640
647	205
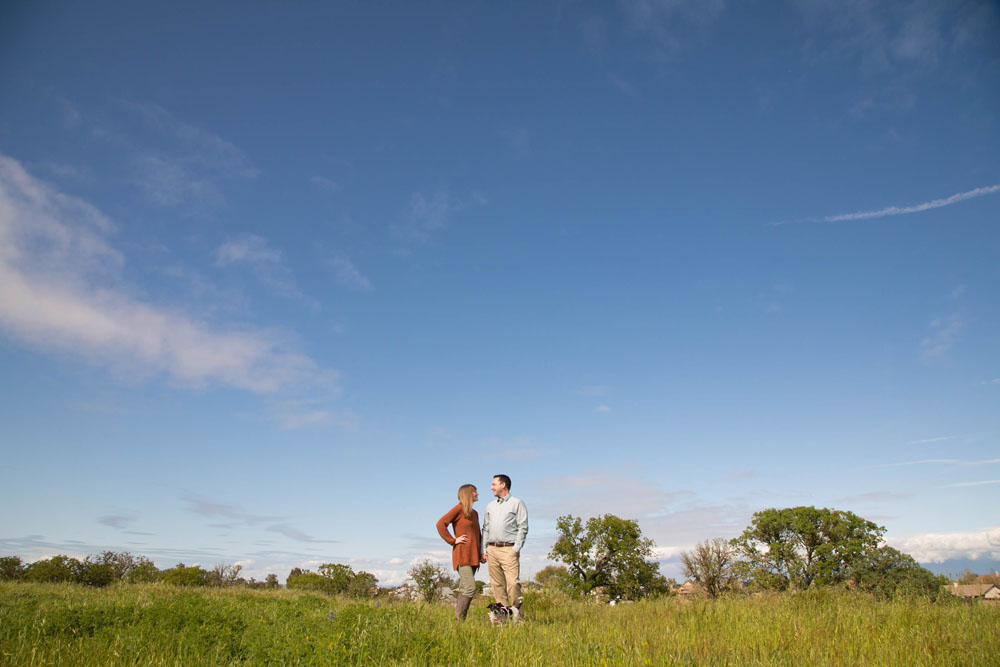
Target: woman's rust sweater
462	554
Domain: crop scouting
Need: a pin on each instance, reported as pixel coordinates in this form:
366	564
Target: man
505	525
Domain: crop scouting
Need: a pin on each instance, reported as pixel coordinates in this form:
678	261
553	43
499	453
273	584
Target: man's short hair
505	479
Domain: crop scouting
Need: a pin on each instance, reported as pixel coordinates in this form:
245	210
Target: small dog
500	614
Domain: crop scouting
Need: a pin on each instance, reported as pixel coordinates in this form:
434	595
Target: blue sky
277	278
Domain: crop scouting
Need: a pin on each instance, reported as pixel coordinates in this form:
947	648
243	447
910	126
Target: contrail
899	210
916	208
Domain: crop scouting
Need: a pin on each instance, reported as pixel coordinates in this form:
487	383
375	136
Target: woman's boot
462	607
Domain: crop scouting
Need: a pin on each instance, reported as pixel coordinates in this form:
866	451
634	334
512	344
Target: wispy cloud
671	21
253	249
430	213
267	264
944	334
201	147
61	290
600	493
239	516
294	533
594	34
602	408
325	184
190	164
119	521
512	449
915	208
985	482
348	275
875	497
955	462
210	508
900	210
936	439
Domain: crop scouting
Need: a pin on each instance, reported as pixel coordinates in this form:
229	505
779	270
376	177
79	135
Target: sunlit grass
63	624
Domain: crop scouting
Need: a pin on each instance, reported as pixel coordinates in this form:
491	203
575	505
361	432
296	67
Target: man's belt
499	544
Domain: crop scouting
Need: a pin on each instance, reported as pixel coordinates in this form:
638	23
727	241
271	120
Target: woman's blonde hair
465	495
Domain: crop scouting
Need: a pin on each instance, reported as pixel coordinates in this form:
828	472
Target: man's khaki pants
505	570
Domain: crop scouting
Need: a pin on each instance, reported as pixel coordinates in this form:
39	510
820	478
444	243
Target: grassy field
62	624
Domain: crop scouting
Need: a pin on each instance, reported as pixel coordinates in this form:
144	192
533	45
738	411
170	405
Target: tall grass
64	624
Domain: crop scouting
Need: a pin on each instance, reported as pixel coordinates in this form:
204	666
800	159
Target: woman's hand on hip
461	539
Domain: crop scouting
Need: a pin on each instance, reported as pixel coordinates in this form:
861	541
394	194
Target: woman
465	552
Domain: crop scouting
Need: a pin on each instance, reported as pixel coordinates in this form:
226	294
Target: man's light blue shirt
505	520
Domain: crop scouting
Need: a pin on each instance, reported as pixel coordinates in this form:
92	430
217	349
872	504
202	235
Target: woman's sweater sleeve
444	522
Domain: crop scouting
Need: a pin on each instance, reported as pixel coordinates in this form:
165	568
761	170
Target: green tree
271	581
55	569
429	578
94	572
889	573
363	585
338	576
144	572
610	553
711	565
184	576
554	578
119	564
799	546
11	568
306	580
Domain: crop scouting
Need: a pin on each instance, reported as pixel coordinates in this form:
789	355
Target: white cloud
602	408
61	291
944	334
938	547
348	274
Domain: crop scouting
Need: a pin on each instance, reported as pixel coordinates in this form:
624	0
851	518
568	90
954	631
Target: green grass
62	624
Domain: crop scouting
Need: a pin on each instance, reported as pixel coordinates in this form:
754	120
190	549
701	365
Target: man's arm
486	531
521	515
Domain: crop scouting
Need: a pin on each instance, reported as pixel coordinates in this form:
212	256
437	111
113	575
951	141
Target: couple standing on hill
498	544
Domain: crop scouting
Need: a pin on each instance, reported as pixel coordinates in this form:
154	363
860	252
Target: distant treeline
111	567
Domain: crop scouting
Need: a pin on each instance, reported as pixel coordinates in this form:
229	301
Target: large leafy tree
610	553
800	546
888	573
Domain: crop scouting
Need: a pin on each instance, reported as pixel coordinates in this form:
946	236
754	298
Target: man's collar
504	499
